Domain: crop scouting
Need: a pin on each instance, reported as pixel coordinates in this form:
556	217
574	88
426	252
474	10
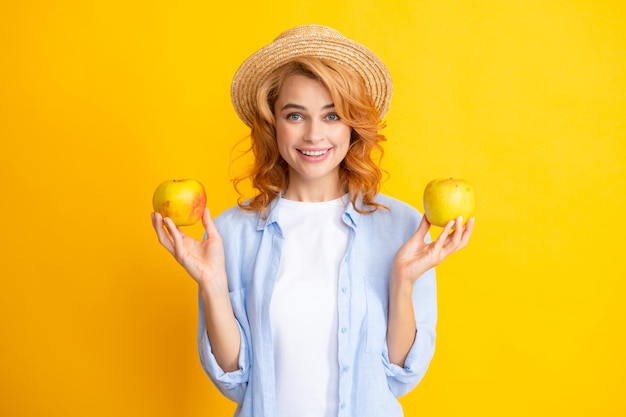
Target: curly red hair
359	172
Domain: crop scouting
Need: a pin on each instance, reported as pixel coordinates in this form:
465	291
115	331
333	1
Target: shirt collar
270	215
350	216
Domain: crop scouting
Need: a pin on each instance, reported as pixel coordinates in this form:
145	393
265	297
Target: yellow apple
183	201
446	199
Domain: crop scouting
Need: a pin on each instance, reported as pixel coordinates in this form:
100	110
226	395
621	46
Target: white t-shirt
303	310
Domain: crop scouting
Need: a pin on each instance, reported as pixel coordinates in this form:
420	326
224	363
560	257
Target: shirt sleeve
402	380
231	384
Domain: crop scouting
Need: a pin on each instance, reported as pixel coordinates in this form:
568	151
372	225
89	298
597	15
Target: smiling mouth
313	153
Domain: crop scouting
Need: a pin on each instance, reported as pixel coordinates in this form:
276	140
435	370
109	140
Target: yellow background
102	100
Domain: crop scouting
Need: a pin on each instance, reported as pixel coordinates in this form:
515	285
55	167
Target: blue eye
333	117
294	116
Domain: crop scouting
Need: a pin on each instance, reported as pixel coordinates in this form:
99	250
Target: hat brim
311	41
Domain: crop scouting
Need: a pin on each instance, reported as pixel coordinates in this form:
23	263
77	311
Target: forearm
401	326
222	328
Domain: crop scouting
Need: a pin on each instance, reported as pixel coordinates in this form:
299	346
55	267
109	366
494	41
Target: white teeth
314	153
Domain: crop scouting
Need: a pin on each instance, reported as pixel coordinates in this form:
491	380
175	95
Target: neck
312	194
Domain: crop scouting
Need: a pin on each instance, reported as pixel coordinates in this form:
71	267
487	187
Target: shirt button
342	406
344	330
346	368
344	290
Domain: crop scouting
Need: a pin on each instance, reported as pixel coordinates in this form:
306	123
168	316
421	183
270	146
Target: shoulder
398	215
395	205
396	209
236	218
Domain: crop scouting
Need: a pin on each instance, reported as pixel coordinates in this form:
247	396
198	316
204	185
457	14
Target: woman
317	296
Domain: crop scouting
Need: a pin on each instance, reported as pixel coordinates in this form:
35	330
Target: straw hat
309	40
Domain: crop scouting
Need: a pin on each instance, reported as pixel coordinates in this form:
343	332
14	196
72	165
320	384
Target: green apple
183	201
446	199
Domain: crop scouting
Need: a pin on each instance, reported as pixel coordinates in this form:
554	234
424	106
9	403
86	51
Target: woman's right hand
203	260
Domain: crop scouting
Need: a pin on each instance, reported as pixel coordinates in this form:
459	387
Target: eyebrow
299	107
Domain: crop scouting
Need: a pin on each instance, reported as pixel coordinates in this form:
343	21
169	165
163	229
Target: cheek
283	142
345	136
283	133
281	139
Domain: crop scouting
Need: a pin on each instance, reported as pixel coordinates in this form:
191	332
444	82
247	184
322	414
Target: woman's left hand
416	256
412	260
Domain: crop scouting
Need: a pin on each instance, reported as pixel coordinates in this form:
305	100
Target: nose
315	131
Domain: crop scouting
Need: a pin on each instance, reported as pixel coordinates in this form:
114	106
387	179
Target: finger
418	238
164	237
461	235
177	238
444	236
173	230
458	232
467	233
422	229
207	221
209	225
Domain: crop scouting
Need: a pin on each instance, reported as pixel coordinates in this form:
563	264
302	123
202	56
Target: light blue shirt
369	383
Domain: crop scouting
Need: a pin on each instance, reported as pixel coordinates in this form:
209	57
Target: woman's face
311	138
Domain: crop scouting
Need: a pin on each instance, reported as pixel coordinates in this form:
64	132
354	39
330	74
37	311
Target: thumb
422	230
209	225
419	237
